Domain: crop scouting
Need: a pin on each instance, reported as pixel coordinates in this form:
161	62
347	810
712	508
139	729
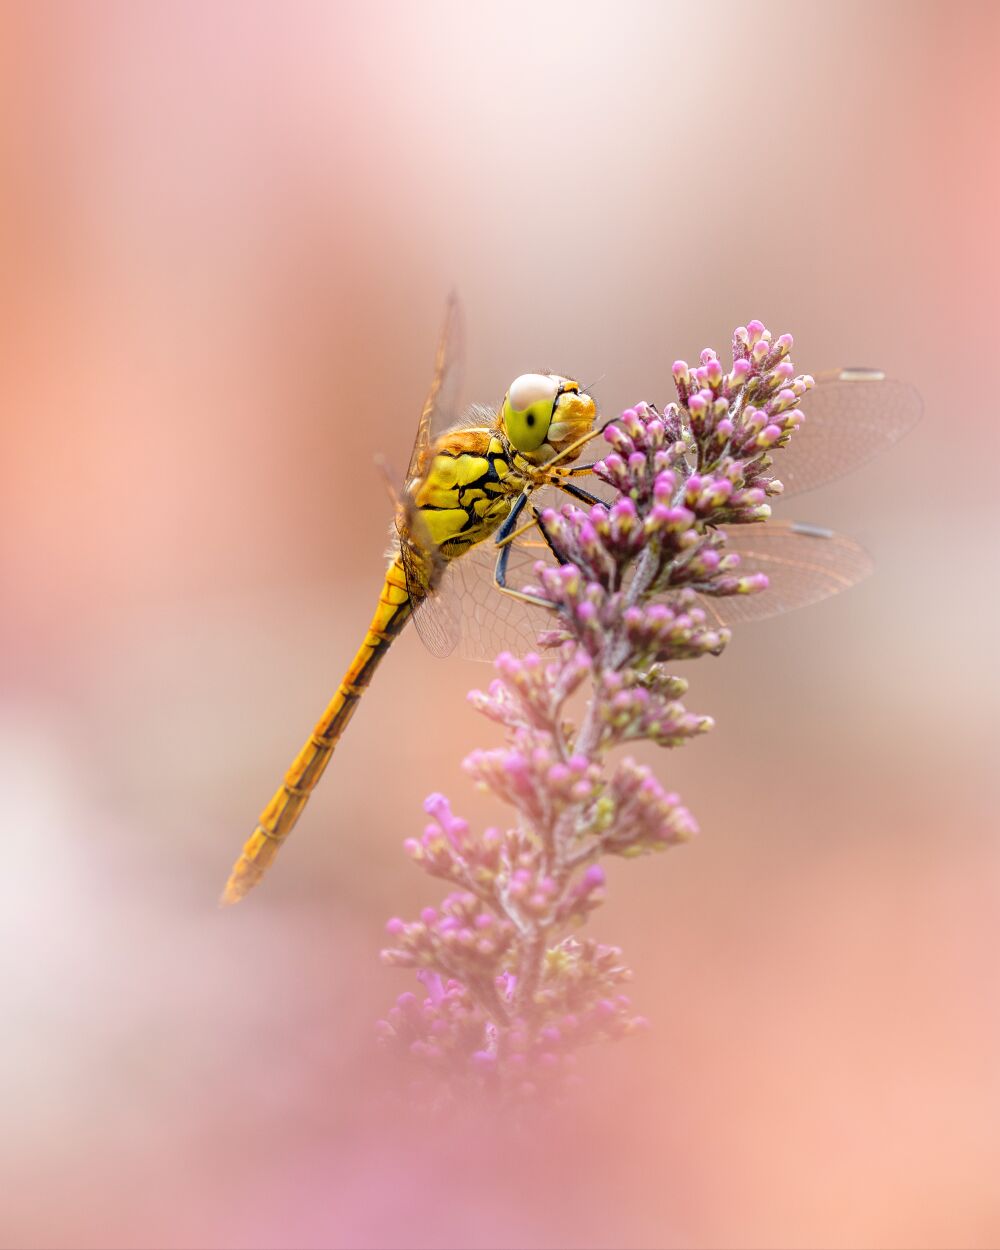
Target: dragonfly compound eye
527	410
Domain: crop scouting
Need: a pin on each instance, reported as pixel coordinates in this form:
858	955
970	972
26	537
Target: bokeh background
226	236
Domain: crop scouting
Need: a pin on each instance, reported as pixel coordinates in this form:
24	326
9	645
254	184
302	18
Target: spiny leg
505	532
576	491
573	470
506	535
500	581
505	541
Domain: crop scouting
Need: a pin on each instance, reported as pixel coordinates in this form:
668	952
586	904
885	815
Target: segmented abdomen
278	819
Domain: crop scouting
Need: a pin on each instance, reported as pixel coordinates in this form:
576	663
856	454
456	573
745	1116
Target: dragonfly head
543	413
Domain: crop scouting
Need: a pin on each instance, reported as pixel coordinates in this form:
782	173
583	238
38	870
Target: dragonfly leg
504	540
573	470
577	492
504	534
545	533
500	581
500	573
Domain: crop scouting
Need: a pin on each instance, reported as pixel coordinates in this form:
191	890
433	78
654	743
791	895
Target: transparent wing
438	619
440	408
850	416
424	567
469	610
490	620
803	563
435	619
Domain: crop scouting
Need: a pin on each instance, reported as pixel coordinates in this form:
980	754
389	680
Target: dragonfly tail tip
237	888
230	896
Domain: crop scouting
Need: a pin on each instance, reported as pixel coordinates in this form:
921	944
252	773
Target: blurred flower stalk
510	989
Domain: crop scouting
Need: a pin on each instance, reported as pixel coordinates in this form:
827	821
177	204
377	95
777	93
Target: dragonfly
456	548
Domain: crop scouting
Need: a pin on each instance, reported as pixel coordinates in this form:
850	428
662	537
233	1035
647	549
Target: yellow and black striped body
464	494
467	491
461	487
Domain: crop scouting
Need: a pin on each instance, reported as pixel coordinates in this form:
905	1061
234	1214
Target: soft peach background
226	233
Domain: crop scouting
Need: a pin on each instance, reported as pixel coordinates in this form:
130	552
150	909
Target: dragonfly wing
467	609
491	620
434	614
803	563
850	416
439	624
440	408
434	617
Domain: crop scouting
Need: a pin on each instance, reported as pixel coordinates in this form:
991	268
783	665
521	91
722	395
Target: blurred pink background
226	236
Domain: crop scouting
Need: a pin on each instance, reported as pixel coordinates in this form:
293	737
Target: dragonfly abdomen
278	819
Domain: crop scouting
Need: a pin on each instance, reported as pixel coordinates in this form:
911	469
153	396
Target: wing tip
810	531
860	373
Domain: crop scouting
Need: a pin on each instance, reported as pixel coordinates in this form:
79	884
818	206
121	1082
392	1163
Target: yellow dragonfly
469	482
